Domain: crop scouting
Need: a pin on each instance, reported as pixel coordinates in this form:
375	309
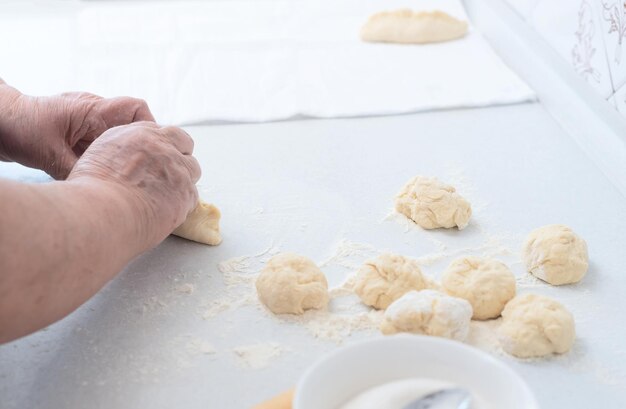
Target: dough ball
409	27
432	204
486	283
381	281
202	225
534	326
556	254
291	284
428	312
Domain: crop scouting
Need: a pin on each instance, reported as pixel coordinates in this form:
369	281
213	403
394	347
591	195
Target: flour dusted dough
291	284
428	312
202	225
381	281
535	326
486	283
409	27
556	254
433	204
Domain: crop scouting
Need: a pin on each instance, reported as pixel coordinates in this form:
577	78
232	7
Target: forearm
59	244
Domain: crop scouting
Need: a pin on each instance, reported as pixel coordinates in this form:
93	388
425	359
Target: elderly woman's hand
51	133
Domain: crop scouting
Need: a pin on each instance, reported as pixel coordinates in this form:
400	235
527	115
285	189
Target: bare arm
60	242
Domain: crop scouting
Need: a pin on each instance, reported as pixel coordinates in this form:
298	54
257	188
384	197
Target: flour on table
529	281
239	275
200	346
248	263
350	254
483	335
186	288
257	356
492	246
345	316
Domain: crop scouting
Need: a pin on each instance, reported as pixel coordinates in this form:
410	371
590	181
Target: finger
179	138
123	111
62	165
146	124
80	147
143	113
193	167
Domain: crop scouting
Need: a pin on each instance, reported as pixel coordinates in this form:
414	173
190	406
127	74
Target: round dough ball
556	254
428	312
381	281
432	204
486	283
535	326
291	284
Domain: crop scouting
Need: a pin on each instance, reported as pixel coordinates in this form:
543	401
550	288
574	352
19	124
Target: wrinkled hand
51	133
149	166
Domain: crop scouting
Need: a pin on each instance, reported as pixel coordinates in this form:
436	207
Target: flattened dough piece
408	27
202	225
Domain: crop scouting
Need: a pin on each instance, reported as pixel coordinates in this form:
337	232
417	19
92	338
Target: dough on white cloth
409	27
535	326
428	312
202	225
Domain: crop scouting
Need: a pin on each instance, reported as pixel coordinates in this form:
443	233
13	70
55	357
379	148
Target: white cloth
262	60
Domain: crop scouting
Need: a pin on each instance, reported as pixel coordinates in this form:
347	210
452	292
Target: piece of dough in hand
409	27
202	225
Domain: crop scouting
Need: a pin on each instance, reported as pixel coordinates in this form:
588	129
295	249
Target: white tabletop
304	186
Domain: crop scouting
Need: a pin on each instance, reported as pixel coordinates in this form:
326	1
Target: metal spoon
453	398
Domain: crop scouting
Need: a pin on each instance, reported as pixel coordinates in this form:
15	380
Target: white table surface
303	186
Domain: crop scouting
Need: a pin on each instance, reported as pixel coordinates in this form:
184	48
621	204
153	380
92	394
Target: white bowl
350	370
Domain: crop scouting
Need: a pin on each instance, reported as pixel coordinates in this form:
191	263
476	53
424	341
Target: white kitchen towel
262	60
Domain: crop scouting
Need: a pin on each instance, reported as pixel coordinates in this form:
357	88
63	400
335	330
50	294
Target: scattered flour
248	263
186	288
239	275
350	254
529	281
197	346
257	356
483	335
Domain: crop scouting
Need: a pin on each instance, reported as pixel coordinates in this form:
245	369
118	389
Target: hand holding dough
409	27
202	225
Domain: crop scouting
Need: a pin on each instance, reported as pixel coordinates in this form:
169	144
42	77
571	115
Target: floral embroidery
583	50
615	13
